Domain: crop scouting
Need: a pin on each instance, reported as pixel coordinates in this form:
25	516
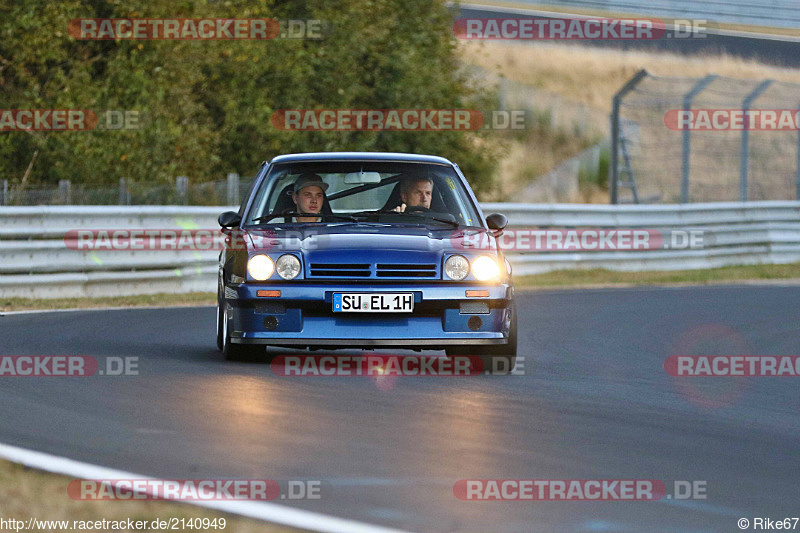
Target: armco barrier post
182	188
124	197
744	155
613	171
5	191
797	176
233	189
65	191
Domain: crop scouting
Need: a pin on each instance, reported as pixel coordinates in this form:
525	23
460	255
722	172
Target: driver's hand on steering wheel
400	208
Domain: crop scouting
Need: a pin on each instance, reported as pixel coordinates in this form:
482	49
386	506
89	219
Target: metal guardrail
36	262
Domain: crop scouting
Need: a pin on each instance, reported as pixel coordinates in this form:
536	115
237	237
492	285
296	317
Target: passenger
309	196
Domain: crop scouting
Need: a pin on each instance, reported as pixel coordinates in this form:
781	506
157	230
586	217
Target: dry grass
592	76
582	76
27	493
526	159
599	277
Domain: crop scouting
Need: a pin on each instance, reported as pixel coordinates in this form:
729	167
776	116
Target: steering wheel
417	209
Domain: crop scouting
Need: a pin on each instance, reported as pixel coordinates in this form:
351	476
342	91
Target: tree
205	106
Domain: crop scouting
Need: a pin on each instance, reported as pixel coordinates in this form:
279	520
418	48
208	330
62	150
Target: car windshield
365	191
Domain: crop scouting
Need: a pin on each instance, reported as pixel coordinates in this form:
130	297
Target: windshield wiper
266	218
426	215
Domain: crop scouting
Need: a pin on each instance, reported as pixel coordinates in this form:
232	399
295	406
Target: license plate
379	302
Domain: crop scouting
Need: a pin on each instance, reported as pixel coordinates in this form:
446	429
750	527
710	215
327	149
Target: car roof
361	156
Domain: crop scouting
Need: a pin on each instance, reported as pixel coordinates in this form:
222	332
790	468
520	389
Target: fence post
5	192
123	192
744	155
65	191
233	188
797	177
687	135
182	188
613	171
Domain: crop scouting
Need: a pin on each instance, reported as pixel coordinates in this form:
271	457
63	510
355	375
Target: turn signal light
270	294
477	294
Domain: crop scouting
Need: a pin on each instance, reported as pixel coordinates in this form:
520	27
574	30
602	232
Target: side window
277	189
250	188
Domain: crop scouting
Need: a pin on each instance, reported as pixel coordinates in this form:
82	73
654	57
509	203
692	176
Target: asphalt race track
595	403
773	50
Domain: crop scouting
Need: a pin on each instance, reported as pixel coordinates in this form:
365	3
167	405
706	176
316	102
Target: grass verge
141	300
600	277
27	493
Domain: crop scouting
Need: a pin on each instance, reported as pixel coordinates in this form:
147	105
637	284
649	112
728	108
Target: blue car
366	251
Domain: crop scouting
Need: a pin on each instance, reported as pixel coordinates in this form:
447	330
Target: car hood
386	240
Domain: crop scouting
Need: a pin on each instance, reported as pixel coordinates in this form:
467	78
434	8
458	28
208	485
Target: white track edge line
269	512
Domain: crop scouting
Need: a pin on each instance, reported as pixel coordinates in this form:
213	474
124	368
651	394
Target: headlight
260	267
456	267
288	266
485	268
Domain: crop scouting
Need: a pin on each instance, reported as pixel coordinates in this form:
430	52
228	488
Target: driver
308	196
415	192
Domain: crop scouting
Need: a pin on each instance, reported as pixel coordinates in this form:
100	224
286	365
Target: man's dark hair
406	184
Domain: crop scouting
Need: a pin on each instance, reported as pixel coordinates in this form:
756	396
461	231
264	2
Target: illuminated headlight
288	266
260	267
485	268
456	267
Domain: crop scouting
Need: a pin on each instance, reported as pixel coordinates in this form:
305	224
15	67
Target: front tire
220	318
236	352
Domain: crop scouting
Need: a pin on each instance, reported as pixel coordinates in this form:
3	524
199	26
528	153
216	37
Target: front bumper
303	316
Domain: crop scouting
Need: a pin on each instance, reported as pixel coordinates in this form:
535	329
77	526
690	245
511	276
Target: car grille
340	270
379	270
384	270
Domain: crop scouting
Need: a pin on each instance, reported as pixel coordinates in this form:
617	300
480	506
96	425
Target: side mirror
229	219
497	222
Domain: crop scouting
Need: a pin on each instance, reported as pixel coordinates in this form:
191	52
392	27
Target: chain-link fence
230	191
712	139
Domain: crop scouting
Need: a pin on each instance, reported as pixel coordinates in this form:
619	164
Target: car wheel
220	333
238	352
497	359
